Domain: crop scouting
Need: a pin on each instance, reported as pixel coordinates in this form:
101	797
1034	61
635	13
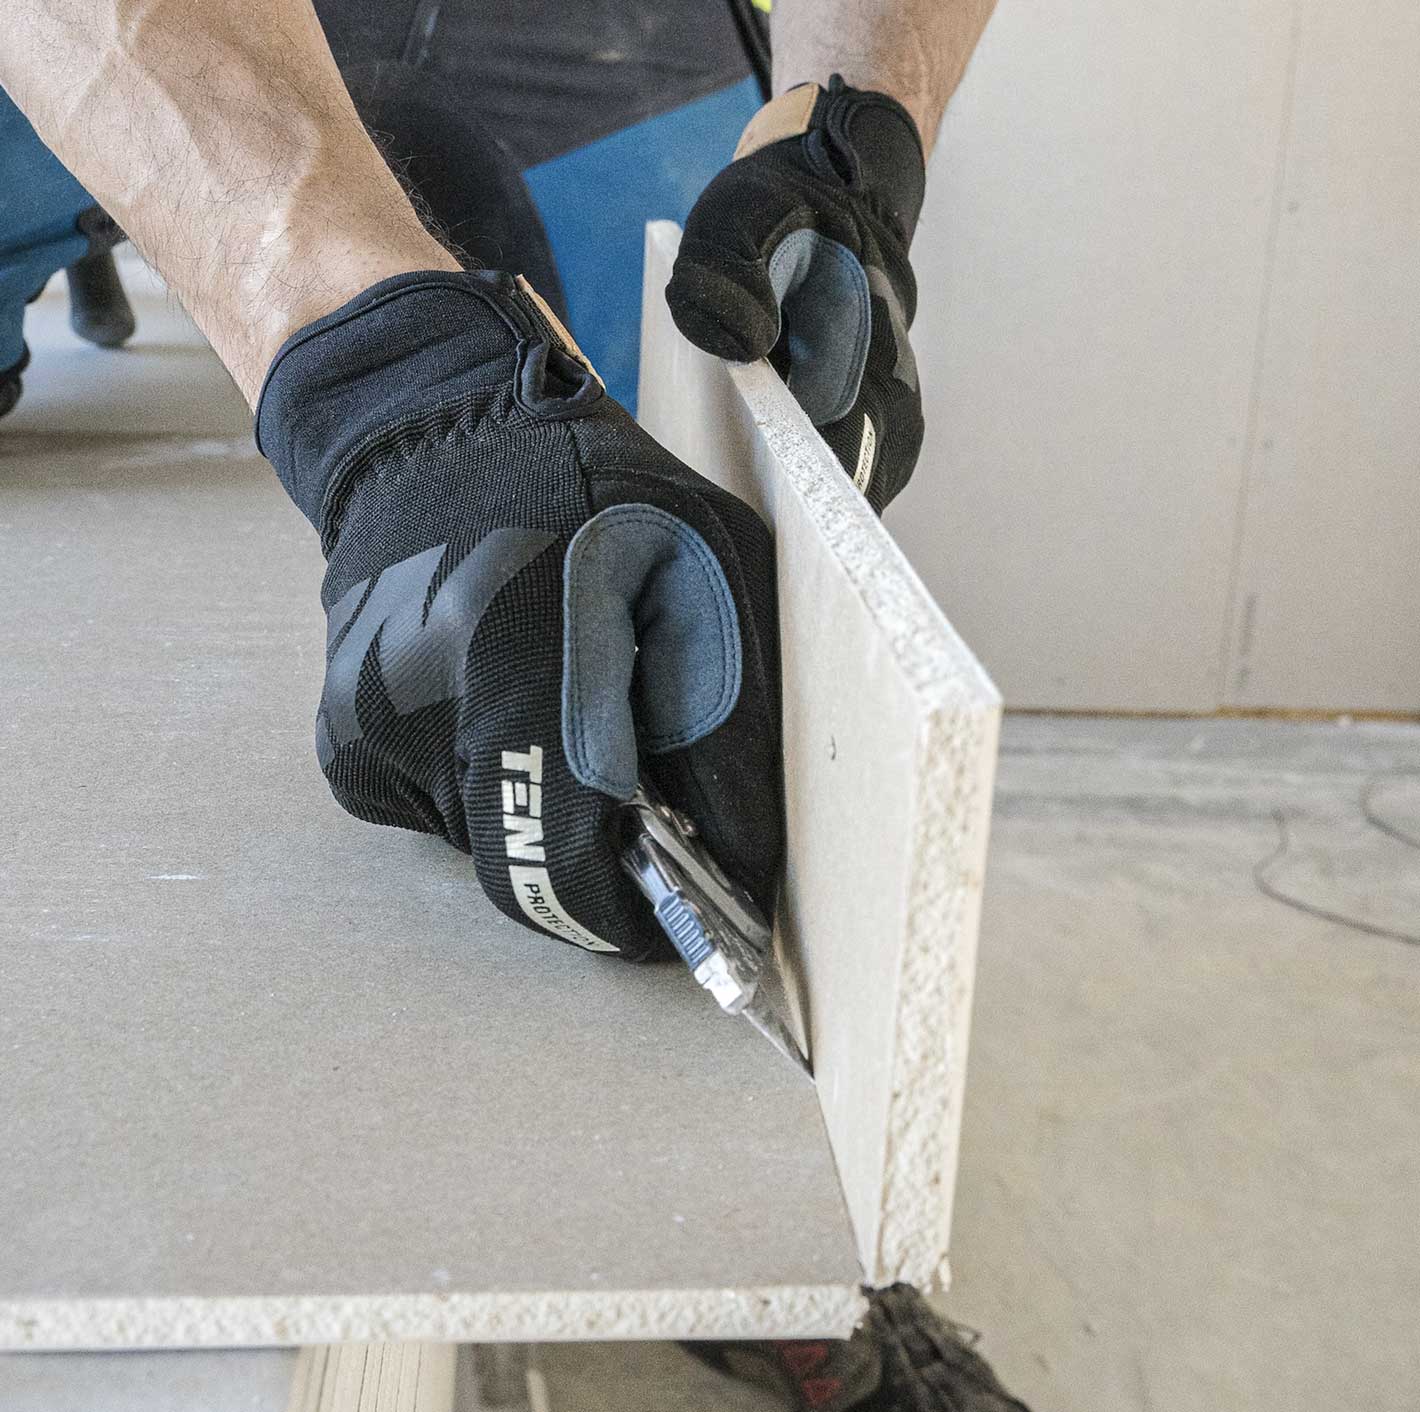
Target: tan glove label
867	450
785	116
569	344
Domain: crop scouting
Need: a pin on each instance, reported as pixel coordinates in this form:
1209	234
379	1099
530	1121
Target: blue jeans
40	204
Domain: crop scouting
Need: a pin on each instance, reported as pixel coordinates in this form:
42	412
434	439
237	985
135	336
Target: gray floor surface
1191	1153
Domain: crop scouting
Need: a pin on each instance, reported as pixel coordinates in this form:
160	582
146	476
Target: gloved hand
528	601
798	251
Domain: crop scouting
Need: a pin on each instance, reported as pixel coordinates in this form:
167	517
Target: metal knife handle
686	929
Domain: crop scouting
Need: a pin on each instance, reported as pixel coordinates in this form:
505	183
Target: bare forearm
914	50
221	138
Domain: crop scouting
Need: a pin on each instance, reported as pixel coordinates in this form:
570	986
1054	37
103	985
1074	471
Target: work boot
903	1358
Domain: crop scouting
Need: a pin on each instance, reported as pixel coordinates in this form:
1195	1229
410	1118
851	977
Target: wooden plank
274	1076
1091	263
890	729
1328	574
374	1377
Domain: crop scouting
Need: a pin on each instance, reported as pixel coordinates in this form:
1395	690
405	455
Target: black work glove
798	251
528	602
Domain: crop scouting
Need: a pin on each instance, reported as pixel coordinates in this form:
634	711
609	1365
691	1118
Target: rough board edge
926	648
962	712
934	1017
782	1311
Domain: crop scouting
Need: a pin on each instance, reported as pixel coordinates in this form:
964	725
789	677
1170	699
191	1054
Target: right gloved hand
798	251
529	602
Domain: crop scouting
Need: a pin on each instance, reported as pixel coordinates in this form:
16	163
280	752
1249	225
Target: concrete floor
1191	1155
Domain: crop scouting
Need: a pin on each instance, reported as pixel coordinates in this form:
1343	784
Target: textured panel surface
890	744
1091	262
1328	577
271	1075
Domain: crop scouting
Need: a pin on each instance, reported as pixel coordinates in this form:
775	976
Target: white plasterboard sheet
890	736
1090	268
1329	574
271	1075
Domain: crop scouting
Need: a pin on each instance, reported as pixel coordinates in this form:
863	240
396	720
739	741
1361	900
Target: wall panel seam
1232	648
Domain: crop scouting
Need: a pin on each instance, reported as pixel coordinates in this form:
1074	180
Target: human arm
916	51
221	139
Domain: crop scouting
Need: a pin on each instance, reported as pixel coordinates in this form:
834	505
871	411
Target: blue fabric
595	202
650	644
39	207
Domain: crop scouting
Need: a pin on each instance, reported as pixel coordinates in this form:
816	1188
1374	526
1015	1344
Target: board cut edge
783	1311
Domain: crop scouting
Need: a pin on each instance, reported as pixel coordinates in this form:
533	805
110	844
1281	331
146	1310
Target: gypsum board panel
890	735
269	1075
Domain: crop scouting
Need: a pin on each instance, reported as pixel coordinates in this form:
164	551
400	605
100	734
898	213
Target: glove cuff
402	345
866	139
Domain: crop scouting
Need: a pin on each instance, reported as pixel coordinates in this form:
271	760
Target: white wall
1169	328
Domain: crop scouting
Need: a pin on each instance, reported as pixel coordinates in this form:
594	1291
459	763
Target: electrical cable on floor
1270	889
1400	835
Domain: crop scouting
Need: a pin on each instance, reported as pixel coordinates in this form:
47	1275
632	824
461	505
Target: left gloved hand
798	251
530	605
